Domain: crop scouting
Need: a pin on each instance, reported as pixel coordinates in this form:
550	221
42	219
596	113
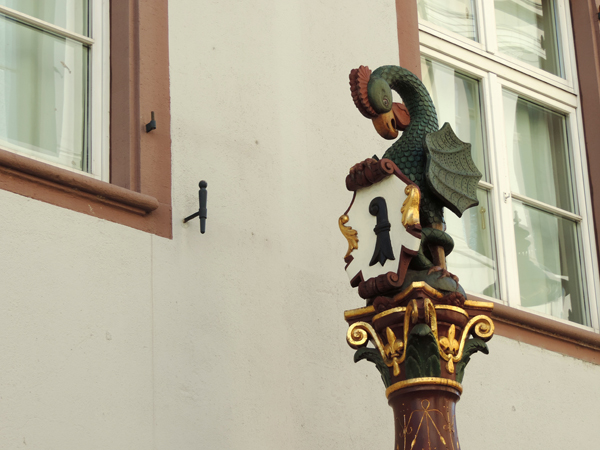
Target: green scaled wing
451	172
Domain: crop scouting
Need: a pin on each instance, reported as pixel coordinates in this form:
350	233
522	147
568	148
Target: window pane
69	14
526	30
455	15
548	262
460	107
43	94
473	258
537	152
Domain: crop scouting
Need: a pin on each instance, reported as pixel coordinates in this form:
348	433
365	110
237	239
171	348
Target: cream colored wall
75	330
524	397
251	336
111	338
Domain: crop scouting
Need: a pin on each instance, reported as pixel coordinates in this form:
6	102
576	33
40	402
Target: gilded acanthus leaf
350	234
410	207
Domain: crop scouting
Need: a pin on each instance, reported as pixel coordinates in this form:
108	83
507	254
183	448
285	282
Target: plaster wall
112	338
75	330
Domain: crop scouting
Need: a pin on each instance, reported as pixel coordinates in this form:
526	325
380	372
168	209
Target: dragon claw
454	298
444	273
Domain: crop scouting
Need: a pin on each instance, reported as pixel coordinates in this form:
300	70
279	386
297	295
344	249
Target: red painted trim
139	194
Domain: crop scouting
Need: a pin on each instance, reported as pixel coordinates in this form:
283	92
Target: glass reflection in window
457	16
473	259
538	153
548	261
526	30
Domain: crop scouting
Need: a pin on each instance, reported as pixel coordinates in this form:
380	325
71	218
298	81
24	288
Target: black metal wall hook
202	194
151	125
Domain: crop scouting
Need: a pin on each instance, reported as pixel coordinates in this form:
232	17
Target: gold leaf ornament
450	346
410	207
392	349
350	234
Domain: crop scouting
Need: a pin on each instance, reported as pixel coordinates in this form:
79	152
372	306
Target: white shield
381	249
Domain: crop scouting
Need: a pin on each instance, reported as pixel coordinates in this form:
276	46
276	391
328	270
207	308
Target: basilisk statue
437	161
417	327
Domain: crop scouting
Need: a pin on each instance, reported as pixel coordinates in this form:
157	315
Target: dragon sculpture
434	159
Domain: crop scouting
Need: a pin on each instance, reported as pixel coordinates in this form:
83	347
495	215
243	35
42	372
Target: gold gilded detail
412	312
358	336
399	309
488	306
417	285
450	346
431	317
410	207
449	427
358	312
350	234
406	430
483	328
422	382
392	349
359	333
453	308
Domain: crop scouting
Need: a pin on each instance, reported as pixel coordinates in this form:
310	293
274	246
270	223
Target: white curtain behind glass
44	89
528	138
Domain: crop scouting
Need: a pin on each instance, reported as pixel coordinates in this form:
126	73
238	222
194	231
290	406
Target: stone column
421	345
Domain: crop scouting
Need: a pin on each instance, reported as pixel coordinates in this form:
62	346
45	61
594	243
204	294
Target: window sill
545	333
76	184
78	192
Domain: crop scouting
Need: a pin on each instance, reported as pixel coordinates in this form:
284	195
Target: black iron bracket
202	197
151	125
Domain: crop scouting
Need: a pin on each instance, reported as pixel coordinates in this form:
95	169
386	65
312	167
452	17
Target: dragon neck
423	118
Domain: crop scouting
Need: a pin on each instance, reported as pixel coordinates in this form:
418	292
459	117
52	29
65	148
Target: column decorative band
423	382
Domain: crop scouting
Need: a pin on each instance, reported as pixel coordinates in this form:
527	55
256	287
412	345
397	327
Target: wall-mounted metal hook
202	194
151	125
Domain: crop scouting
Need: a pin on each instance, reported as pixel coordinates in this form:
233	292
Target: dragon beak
385	124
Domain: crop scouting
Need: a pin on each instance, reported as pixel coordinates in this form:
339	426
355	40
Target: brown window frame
511	322
139	192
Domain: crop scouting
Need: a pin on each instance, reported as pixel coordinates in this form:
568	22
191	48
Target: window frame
561	100
487	45
98	82
138	193
565	337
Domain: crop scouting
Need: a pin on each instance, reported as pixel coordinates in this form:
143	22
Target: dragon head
373	98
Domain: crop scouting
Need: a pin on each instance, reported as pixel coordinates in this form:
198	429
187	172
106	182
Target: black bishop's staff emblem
383	247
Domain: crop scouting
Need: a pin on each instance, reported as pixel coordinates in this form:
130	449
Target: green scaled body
408	151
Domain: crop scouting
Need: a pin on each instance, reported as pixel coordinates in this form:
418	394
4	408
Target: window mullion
99	91
46	26
488	23
480	17
507	253
565	39
546	207
589	257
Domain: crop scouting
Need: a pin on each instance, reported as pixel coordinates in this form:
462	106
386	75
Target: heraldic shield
381	226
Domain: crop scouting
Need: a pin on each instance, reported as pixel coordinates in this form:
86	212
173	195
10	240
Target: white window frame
495	72
99	85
